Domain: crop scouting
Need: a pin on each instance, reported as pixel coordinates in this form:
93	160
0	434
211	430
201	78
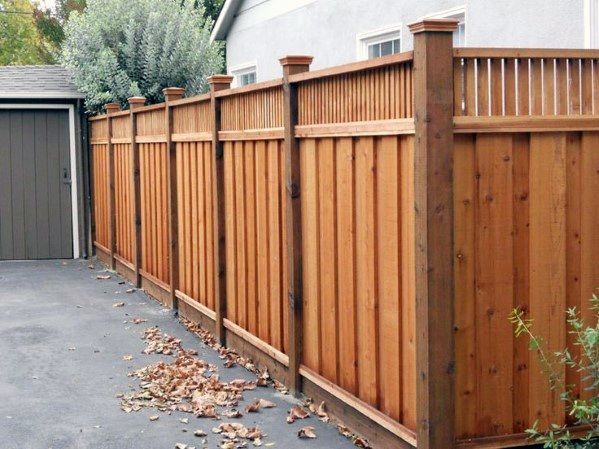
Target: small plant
584	412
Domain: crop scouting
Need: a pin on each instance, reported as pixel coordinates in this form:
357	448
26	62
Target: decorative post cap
302	60
136	102
219	82
112	108
173	93
437	25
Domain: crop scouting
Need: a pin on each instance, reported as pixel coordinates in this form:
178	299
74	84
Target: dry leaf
103	277
138	320
233	413
297	412
127	357
181	446
154	418
360	442
118	304
72	348
199	433
184	420
131	290
306	432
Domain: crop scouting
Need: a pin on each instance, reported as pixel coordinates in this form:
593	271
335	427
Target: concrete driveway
62	345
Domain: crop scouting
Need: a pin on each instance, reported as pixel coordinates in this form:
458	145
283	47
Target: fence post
433	202
218	82
172	94
293	220
111	108
134	103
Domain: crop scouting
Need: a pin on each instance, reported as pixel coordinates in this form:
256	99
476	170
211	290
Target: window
245	74
459	13
591	23
246	78
381	42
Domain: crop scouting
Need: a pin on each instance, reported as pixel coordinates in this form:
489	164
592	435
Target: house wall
265	30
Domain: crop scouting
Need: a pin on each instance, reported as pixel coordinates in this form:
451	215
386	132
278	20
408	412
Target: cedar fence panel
125	232
357	227
523	238
524	180
153	156
191	131
100	161
251	128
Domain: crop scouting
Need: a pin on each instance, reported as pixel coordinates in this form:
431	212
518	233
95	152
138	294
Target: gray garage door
35	190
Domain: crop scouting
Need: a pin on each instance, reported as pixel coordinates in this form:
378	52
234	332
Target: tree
19	39
50	25
212	7
119	49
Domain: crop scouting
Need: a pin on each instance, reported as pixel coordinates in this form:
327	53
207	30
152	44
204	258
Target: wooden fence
364	231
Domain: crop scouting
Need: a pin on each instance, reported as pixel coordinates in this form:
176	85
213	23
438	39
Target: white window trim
73	161
448	13
242	69
591	27
375	37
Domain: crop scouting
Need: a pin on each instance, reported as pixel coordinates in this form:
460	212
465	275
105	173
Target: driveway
64	364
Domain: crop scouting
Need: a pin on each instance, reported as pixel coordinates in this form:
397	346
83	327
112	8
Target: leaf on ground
361	442
184	420
154	418
72	348
233	413
297	412
127	357
138	320
257	404
130	290
280	387
199	433
306	432
118	304
103	277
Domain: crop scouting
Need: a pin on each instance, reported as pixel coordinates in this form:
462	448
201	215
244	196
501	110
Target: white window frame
591	23
243	69
451	14
363	40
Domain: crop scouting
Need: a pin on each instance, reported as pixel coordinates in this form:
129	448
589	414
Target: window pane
374	51
396	46
386	48
246	78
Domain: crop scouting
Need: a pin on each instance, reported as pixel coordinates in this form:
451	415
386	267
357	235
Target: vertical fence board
366	272
547	262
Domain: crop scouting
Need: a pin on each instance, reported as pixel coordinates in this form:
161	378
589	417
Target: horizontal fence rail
301	219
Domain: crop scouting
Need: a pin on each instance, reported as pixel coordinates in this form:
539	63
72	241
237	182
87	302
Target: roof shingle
37	82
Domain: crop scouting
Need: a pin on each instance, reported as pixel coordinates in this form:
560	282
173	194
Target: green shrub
584	412
117	49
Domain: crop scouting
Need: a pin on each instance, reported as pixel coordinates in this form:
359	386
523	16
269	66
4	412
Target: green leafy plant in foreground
584	412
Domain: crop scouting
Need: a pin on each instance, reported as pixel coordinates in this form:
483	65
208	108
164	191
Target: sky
47	3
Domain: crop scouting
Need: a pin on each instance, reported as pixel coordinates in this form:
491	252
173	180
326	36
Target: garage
43	166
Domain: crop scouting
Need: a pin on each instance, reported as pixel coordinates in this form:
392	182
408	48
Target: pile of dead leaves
234	433
187	384
159	343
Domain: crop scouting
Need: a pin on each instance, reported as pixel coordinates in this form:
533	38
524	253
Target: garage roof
37	82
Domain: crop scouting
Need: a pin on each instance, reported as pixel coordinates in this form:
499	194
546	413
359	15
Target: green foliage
212	7
120	49
584	412
19	39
